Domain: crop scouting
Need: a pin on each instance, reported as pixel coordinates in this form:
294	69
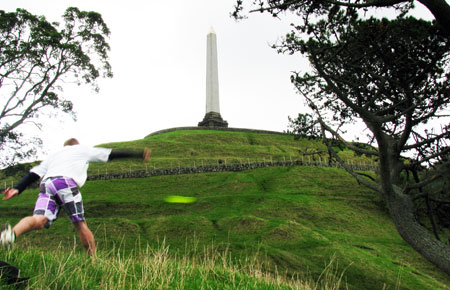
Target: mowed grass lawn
294	220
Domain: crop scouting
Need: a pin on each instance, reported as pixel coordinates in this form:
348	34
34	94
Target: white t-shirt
71	161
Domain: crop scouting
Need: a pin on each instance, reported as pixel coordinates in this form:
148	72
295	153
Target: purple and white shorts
57	192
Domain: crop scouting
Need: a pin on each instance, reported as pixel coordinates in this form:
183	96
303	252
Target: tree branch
361	111
441	11
357	176
346	144
426	141
366	4
421	184
373	3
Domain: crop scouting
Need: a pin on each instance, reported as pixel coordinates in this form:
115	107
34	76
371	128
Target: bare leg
86	237
30	223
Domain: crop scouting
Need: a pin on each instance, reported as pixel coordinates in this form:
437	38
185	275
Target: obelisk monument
212	117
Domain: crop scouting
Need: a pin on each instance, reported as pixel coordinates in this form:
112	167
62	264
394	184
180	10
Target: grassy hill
205	147
286	223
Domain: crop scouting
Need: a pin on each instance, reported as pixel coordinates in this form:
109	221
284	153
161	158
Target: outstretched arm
123	153
24	183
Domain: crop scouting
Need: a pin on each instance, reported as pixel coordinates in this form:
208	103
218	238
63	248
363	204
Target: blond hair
71	141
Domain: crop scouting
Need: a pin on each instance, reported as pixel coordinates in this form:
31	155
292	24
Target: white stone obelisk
212	74
212	117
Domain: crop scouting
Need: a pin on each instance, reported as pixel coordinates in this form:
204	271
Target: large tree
394	76
37	60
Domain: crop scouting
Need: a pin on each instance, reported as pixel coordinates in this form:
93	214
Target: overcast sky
158	56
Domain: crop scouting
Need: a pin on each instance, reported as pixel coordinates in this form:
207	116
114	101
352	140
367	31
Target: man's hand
147	154
10	193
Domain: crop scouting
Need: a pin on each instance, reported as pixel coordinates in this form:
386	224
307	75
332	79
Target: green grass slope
197	147
292	220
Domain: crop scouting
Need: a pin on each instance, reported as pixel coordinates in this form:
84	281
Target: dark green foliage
304	126
386	67
310	11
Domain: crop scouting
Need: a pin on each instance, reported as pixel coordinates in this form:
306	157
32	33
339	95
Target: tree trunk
441	11
401	210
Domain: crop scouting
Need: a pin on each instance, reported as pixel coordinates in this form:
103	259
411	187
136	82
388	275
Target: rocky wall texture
220	168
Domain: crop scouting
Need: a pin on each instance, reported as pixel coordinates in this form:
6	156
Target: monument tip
211	30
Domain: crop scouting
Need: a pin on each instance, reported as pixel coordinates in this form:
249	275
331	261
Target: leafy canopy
37	60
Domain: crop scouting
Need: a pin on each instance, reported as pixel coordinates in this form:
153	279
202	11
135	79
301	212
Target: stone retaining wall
220	168
234	167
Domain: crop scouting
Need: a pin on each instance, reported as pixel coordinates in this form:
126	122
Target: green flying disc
179	199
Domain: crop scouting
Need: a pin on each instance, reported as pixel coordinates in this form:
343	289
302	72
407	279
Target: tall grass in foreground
155	269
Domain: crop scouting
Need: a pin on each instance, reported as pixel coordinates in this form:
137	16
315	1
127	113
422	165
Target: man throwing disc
62	174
